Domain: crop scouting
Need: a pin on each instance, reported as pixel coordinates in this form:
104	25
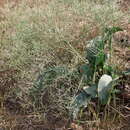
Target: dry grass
35	34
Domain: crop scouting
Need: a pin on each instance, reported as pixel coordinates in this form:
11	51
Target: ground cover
46	62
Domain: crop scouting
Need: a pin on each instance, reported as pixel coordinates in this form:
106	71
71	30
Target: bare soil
2	2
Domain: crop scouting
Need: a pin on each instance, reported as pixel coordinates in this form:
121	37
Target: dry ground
33	122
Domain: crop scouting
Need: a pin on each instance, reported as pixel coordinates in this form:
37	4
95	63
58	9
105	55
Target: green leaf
86	71
91	90
80	100
127	72
108	69
112	30
95	51
91	53
116	91
101	58
104	88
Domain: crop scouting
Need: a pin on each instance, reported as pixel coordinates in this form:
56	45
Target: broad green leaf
104	87
91	90
91	54
86	71
80	100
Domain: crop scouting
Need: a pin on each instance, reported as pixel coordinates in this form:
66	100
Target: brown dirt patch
124	5
2	2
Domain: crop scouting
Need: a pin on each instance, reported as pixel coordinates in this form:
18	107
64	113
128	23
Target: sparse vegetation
60	66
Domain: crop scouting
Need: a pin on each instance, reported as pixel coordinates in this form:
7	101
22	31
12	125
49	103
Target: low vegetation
61	66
